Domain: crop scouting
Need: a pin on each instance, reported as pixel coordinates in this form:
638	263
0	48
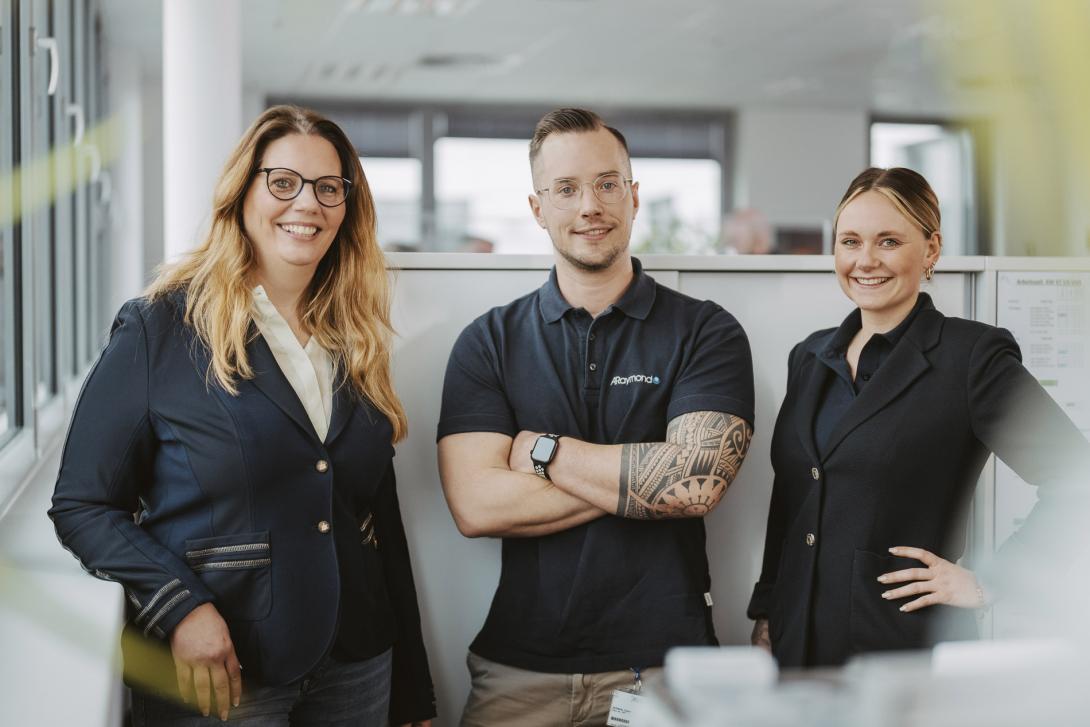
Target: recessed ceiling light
785	86
458	60
410	7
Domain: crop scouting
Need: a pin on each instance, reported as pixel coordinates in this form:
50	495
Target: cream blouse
309	369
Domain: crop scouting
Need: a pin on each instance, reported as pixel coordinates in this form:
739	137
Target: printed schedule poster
1049	315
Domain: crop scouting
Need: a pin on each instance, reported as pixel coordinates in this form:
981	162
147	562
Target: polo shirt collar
551	302
636	301
640	295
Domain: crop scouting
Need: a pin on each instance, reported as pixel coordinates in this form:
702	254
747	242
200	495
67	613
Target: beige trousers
503	696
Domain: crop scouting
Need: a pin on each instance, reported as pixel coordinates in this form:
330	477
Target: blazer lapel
905	364
809	399
344	405
270	380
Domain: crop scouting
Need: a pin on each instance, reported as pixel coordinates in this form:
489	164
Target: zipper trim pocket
229	564
226	549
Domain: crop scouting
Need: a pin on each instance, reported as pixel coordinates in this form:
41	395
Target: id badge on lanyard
626	704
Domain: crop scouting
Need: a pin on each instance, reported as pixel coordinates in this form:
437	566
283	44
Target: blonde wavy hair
346	308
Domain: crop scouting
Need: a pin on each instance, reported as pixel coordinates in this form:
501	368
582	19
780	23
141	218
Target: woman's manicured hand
939	582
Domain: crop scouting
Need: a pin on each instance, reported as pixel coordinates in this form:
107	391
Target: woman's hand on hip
939	582
205	660
760	636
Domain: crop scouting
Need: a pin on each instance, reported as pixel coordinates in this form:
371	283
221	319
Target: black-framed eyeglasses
286	184
609	188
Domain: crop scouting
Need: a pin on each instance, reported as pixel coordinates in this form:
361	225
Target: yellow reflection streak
1032	59
37	184
148	666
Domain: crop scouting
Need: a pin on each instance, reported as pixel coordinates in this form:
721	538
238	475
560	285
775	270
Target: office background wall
794	164
802	108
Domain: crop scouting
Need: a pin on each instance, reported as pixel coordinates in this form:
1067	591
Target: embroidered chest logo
634	379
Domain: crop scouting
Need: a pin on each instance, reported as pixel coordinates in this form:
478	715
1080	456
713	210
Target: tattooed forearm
686	475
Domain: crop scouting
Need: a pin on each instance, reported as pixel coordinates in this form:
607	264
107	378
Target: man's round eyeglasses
286	184
566	194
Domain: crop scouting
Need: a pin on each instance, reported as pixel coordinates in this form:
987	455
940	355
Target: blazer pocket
367	531
875	624
237	569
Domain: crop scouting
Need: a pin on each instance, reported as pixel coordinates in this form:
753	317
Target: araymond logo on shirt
634	379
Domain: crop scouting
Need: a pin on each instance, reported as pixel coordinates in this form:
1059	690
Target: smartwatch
543	451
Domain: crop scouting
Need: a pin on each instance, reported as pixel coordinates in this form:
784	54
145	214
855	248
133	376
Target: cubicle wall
778	301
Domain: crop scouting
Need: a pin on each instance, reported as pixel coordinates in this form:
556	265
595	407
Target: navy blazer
238	503
899	469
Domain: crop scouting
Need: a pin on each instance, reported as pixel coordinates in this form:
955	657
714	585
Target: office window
395	185
457	178
36	189
84	198
68	120
8	308
101	315
679	200
40	243
944	155
481	190
679	205
49	328
8	390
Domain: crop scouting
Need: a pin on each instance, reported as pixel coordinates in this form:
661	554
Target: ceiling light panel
434	8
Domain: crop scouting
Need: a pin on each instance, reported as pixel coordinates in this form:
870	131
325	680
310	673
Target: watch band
539	465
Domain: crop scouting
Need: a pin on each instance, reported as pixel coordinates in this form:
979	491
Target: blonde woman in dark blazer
243	411
886	425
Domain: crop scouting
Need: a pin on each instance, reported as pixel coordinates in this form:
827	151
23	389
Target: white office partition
455	576
778	300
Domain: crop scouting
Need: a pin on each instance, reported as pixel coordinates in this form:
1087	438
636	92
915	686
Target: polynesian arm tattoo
687	475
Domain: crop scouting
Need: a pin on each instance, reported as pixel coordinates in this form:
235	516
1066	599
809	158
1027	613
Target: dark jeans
335	694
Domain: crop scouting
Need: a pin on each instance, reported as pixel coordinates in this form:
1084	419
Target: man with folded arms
591	424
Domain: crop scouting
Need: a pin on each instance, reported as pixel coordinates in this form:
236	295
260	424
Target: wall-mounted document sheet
1049	315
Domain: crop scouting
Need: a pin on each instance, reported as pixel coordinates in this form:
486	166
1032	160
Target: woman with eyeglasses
229	462
886	425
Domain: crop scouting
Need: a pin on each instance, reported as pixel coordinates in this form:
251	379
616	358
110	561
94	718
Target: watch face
543	451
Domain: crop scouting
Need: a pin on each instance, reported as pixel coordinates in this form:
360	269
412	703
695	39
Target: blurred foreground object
958	684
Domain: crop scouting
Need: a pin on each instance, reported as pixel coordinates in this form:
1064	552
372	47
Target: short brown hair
560	121
907	190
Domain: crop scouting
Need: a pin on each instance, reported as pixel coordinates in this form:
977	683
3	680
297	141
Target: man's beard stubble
592	266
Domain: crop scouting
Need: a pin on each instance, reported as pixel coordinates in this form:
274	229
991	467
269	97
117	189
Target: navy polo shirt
613	593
